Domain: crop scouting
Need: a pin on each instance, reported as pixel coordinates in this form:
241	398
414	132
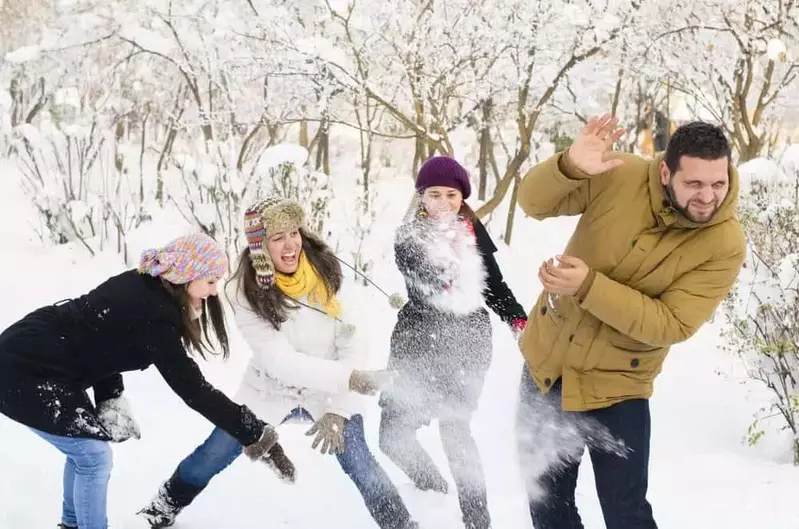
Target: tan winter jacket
656	279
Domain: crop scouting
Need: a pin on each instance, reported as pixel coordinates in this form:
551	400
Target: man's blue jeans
378	492
86	475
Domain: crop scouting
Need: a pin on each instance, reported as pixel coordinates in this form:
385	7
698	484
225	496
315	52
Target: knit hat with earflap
190	257
261	221
444	171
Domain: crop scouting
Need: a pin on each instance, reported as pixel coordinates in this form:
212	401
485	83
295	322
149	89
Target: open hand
565	278
590	151
329	431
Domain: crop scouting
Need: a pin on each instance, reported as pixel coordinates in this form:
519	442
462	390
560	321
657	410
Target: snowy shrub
763	309
77	178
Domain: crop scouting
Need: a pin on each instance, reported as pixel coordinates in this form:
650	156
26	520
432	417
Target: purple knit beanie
444	171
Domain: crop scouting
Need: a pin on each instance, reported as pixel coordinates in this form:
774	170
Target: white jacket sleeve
282	362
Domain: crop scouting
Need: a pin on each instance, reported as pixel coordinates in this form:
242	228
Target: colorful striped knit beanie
185	259
261	221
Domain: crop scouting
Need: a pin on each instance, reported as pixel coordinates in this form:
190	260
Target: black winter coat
53	355
443	355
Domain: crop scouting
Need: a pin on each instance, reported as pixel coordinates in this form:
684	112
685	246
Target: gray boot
172	497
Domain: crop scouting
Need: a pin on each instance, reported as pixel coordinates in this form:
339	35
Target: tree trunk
510	173
486	148
304	141
614	107
514	196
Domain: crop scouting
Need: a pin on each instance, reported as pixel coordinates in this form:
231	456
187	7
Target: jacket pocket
625	355
540	336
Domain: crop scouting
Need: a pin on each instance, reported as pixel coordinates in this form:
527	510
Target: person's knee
220	448
393	434
387	438
94	457
455	429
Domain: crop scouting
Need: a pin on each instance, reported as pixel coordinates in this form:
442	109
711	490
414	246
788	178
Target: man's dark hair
698	140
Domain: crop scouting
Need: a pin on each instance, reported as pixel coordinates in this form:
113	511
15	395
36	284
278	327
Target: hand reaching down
278	461
116	417
263	445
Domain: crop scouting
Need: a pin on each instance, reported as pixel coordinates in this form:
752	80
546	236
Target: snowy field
702	474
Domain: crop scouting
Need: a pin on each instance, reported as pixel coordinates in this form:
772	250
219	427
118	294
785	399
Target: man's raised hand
590	152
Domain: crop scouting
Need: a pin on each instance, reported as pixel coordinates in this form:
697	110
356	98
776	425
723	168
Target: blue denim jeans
86	474
379	494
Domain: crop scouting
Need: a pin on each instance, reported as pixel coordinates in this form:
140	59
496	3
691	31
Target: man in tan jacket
656	250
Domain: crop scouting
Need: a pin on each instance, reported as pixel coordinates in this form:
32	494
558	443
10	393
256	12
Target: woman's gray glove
329	431
371	382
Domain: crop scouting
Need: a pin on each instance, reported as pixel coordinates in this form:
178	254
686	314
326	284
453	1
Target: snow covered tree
763	310
743	67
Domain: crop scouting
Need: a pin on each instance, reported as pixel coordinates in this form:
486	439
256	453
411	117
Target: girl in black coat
441	344
144	317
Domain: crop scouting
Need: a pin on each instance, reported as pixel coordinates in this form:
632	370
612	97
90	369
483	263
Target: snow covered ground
702	475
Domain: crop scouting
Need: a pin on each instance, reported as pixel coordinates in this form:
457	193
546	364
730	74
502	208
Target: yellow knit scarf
306	282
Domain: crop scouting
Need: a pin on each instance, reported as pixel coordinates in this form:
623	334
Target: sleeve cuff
569	170
585	288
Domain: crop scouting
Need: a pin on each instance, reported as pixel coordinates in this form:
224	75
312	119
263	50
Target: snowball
776	50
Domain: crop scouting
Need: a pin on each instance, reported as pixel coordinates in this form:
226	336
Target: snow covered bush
213	191
763	309
78	178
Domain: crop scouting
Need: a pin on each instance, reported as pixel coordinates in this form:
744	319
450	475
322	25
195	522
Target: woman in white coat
284	298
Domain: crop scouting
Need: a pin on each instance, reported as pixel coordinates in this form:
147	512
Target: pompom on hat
261	221
444	171
185	259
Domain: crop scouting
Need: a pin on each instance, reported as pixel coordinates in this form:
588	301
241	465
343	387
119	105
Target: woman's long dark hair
194	332
272	304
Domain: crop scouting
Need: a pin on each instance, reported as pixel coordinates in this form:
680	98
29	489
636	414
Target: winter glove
116	417
278	461
517	327
260	447
370	382
329	431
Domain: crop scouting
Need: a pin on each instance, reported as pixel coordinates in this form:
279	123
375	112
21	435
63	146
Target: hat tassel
395	300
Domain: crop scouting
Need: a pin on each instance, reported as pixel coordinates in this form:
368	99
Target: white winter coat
307	363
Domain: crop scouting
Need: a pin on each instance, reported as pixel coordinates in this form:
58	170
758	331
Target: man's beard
683	210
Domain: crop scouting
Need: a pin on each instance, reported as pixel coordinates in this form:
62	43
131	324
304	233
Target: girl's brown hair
271	303
194	332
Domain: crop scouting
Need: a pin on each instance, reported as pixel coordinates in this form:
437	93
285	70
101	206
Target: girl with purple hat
441	344
150	316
